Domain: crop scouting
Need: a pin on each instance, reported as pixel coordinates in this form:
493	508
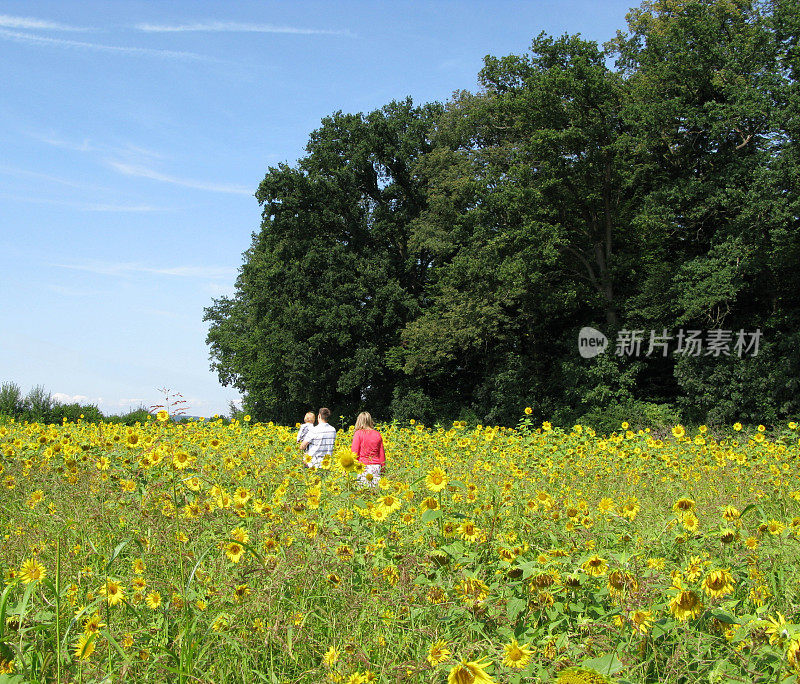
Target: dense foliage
439	260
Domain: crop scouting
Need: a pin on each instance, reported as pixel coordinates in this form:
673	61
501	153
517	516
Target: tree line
438	260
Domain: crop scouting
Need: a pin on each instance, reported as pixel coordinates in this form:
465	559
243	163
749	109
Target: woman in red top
368	448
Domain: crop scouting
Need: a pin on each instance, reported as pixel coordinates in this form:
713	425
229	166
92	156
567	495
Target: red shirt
368	447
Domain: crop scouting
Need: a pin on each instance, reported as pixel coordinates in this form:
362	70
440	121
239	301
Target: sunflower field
206	552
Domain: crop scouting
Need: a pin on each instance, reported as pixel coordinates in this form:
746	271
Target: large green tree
537	239
329	280
706	106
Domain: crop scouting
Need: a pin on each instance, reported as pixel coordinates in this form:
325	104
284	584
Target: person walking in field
319	440
368	448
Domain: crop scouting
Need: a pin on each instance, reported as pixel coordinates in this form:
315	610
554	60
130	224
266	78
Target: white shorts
375	470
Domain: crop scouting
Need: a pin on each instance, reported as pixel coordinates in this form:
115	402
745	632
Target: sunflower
331	656
113	592
695	568
92	624
347	460
619	582
690	522
468	531
153	600
793	652
516	656
438	653
240	592
630	508
181	460
472	672
775	527
241	535
595	566
234	551
221	622
685	604
683	504
472	590
436	480
428	503
84	646
379	514
542	580
718	583
32	571
606	505
642	620
390	503
776	630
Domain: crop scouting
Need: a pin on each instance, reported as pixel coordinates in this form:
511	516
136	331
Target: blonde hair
364	421
310	415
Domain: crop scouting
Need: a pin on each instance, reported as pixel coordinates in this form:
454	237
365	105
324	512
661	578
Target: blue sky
134	134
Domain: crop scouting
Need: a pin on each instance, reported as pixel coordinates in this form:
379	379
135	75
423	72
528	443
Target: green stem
58	611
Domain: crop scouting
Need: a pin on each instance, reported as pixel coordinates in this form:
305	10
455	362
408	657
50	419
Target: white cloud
33	39
237	27
32	23
122	269
144	172
70	398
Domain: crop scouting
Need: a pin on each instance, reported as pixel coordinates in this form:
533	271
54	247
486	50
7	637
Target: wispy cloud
24	173
36	24
33	39
87	206
127	150
237	27
144	172
132	268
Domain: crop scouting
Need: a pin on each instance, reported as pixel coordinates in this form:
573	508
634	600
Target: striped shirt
320	440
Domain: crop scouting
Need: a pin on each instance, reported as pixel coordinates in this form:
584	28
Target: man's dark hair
324	413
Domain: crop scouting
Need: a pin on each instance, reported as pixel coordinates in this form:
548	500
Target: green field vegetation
205	551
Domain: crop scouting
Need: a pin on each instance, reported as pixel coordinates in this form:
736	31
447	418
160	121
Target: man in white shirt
319	439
